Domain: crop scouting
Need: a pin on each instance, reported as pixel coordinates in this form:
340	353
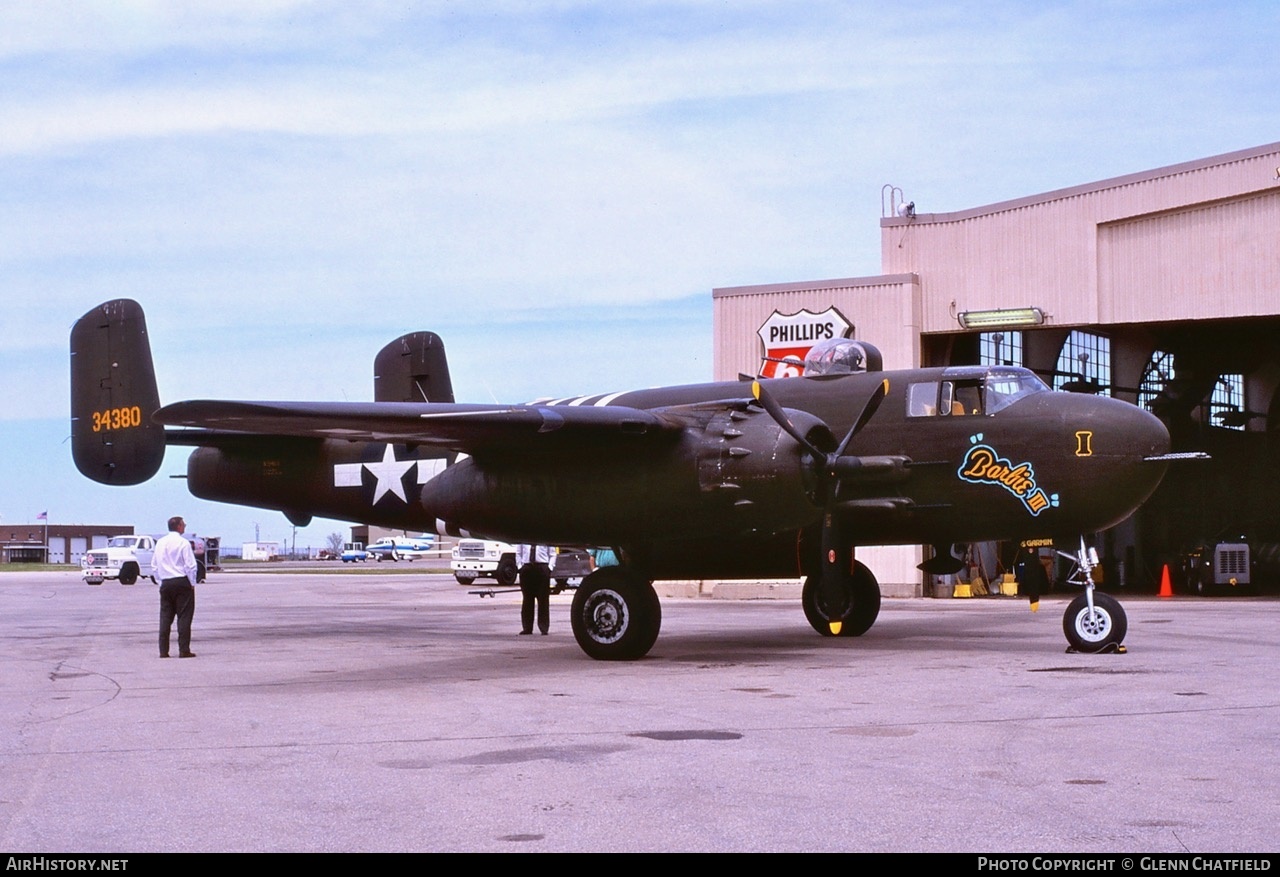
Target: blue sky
553	187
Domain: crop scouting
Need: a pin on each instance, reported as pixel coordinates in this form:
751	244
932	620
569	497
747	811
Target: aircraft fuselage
729	495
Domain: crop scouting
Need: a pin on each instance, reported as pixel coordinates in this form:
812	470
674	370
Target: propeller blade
868	411
779	415
836	551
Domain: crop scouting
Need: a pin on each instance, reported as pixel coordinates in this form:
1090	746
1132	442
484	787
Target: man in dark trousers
535	586
174	566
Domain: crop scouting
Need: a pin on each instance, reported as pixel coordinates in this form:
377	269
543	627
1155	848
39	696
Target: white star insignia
389	473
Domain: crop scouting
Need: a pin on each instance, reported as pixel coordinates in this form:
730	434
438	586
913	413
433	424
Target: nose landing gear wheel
1093	632
616	615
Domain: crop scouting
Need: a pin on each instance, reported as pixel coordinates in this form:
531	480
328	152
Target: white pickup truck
484	559
126	558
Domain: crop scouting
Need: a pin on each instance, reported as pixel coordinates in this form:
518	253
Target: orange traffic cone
1166	589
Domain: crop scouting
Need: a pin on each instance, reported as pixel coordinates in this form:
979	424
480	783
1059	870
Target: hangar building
1161	288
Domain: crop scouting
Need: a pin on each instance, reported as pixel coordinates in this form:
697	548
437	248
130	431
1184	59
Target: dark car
569	563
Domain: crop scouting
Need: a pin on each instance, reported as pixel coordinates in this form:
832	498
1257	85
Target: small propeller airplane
750	479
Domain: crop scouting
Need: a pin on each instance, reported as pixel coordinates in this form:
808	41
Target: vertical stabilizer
412	368
113	395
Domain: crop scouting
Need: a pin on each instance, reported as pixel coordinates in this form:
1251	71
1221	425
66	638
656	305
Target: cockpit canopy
971	390
841	356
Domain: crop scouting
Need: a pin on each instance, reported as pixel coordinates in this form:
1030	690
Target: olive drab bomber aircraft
764	478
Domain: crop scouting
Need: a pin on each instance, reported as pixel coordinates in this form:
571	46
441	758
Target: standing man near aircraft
174	566
535	586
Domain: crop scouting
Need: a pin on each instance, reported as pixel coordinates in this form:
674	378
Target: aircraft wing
473	429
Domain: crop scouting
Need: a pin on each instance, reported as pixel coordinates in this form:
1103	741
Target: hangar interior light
1001	317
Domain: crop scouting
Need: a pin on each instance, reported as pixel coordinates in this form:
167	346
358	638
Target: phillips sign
788	337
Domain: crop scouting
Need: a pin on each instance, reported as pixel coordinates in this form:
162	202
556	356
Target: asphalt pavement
398	712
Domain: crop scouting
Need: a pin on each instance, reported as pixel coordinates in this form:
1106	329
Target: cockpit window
1004	387
945	398
970	392
922	399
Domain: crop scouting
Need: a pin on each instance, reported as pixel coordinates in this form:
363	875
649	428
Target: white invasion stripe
347	474
444	528
428	469
608	400
579	401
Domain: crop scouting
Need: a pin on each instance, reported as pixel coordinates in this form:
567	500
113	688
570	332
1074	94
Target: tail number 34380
117	418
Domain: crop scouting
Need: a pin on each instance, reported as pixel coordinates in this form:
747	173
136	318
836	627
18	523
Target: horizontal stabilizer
113	395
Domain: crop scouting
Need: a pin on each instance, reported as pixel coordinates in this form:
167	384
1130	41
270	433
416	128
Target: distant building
259	550
24	543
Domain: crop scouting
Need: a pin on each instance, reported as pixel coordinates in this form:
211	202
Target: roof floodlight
1001	317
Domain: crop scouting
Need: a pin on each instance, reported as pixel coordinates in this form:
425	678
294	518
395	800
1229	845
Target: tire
507	572
464	580
1106	628
129	574
616	615
864	605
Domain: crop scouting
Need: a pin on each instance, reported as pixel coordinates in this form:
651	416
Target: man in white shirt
535	586
174	566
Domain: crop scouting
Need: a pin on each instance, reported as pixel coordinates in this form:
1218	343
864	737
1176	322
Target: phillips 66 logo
788	337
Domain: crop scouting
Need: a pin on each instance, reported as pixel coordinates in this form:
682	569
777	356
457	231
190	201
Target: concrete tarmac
398	712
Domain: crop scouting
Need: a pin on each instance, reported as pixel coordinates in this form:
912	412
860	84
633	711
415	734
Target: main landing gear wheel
1096	631
864	603
616	615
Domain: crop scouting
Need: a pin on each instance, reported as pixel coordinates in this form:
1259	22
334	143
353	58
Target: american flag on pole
43	516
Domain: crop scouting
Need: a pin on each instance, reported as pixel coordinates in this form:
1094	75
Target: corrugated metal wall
1185	242
885	311
1207	261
